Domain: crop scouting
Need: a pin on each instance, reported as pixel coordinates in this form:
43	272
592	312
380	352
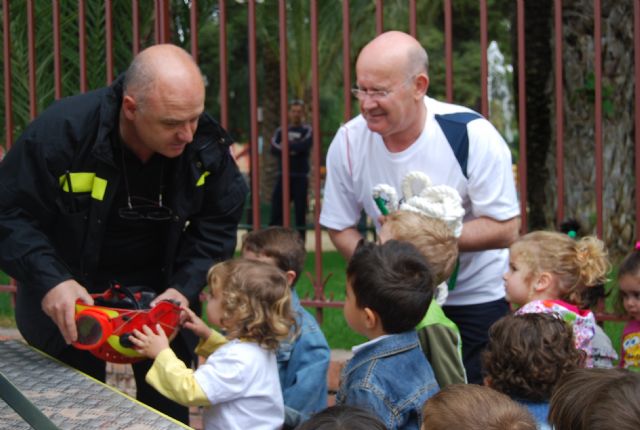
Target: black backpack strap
454	127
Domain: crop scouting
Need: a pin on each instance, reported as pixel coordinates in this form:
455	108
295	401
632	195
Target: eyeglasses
153	211
376	95
146	209
373	94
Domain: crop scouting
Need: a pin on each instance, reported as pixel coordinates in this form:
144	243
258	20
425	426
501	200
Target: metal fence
164	29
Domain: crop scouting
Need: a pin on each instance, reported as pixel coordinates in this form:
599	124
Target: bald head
399	49
162	65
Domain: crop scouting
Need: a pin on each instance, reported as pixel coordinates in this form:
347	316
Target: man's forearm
345	241
486	233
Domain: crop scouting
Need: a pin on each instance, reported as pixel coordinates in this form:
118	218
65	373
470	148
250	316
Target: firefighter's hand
60	305
173	295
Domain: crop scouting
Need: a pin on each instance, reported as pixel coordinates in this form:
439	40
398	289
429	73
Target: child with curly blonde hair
239	382
549	272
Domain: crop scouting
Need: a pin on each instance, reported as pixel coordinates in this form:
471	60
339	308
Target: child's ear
487	381
544	282
291	276
371	318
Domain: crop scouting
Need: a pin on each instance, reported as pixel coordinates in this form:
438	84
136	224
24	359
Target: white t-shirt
241	381
358	160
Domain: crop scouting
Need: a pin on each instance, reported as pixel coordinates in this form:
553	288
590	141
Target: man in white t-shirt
402	130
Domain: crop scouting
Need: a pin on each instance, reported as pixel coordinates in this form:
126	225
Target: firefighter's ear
129	107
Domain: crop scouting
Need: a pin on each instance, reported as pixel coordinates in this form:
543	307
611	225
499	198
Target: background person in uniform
132	182
300	142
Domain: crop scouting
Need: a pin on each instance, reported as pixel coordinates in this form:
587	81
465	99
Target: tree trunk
538	73
618	121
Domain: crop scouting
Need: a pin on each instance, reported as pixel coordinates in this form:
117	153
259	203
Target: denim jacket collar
388	346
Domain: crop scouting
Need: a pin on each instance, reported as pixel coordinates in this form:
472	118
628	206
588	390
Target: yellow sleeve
175	381
208	346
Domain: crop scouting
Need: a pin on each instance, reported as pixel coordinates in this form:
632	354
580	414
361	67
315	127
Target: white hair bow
435	201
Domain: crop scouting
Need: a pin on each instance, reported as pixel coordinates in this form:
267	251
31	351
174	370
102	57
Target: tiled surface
68	398
120	377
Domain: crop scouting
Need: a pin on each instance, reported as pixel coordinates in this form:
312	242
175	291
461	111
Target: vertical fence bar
559	111
448	49
193	28
57	62
224	80
8	103
82	45
164	27
315	102
284	120
597	45
636	56
379	16
522	116
157	17
31	48
346	60
6	49
135	27
253	101
108	24
484	66
413	19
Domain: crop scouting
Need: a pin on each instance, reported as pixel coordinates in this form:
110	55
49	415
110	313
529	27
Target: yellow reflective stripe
99	188
81	182
84	182
202	178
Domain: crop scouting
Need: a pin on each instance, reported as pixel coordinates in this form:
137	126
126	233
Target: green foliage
6	305
334	326
95	50
588	90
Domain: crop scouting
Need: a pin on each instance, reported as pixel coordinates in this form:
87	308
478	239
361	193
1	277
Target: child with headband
430	218
629	300
238	382
549	273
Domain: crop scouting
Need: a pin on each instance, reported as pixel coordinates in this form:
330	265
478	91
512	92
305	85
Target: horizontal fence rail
234	36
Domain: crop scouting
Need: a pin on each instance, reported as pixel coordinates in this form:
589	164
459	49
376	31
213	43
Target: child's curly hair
528	353
576	264
256	300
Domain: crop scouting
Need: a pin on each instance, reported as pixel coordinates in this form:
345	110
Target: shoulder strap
454	127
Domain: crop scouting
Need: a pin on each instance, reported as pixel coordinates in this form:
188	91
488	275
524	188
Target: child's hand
195	324
148	343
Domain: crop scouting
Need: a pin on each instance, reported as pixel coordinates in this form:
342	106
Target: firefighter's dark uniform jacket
50	232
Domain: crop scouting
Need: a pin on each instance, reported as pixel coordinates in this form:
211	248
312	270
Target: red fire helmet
105	327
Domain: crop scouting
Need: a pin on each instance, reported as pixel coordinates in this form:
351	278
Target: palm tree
95	40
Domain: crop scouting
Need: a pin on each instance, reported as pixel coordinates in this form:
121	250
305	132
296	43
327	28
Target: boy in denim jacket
439	336
303	359
389	287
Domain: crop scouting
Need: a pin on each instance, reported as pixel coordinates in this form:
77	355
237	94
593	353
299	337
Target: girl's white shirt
241	381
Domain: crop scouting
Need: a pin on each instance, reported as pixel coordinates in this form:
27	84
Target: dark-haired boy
389	288
303	359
